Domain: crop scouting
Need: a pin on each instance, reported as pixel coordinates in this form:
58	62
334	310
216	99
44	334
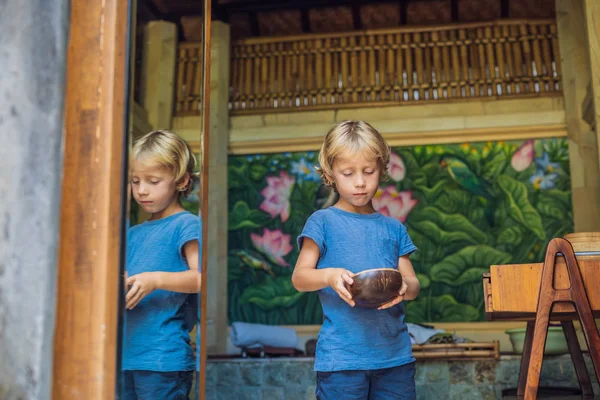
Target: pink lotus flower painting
274	244
277	196
523	157
394	204
396	168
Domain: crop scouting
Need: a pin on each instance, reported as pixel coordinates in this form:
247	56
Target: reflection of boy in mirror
162	269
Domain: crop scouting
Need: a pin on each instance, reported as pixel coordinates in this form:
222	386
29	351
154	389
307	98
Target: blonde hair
168	150
353	137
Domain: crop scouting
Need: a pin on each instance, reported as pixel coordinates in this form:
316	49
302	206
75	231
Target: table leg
525	359
538	343
575	350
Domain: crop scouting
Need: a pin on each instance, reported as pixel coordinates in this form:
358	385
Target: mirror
163	277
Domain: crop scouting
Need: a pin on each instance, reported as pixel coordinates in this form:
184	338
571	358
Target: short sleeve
190	230
406	245
314	229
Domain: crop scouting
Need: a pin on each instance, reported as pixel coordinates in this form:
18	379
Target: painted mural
466	206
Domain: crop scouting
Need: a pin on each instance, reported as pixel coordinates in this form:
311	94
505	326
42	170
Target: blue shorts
396	383
151	385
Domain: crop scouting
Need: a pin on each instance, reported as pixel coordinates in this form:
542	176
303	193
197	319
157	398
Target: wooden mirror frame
94	193
205	152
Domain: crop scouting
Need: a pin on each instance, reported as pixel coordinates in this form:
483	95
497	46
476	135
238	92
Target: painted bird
464	176
460	172
254	262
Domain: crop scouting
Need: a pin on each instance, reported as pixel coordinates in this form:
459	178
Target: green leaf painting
519	207
466	207
243	217
271	294
467	265
440	308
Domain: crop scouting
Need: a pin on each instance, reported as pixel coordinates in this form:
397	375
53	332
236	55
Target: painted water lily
277	196
394	204
396	168
545	164
305	170
274	244
543	181
523	157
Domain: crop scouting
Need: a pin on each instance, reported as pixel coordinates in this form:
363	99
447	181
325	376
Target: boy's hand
336	278
398	299
140	286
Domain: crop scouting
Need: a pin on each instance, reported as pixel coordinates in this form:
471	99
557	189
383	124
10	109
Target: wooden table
566	286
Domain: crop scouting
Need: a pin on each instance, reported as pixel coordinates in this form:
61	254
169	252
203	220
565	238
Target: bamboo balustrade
498	59
189	79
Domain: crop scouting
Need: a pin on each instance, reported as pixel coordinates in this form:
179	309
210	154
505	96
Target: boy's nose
360	182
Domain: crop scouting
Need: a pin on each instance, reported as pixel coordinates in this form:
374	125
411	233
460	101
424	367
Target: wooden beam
254	27
403	12
160	5
147	11
274	5
504	8
406	138
85	344
225	8
220	13
356	20
454	10
305	20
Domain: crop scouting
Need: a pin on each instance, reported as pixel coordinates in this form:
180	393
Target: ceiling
251	18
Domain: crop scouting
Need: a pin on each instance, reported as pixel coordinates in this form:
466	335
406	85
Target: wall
33	38
449	122
466	206
403	125
279	378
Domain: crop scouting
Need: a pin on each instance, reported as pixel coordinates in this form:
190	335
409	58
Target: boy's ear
329	180
185	181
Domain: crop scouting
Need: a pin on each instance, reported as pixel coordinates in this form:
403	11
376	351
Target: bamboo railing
500	59
189	79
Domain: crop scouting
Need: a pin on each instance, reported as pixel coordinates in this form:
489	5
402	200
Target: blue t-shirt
353	338
156	332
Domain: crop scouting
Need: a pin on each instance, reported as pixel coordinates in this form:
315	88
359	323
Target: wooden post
216	307
158	73
85	344
592	15
583	143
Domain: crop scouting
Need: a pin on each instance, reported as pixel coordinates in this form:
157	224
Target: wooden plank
402	29
457	351
407	138
85	344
